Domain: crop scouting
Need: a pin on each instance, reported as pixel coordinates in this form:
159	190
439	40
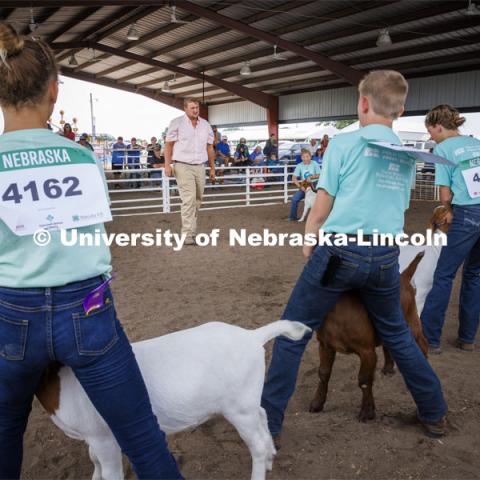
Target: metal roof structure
200	46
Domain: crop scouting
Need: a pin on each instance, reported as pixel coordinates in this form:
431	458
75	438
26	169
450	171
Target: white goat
422	280
310	196
191	376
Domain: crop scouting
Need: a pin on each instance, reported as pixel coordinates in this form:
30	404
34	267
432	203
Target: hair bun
10	42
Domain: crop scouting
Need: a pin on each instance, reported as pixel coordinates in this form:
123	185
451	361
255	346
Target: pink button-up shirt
190	143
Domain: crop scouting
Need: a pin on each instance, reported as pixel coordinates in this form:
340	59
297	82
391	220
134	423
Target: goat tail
291	330
412	268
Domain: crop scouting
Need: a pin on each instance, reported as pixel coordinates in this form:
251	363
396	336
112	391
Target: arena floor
159	291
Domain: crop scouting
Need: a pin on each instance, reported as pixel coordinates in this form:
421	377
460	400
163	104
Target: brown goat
348	329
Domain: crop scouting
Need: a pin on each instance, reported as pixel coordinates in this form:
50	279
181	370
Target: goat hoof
388	371
366	414
316	406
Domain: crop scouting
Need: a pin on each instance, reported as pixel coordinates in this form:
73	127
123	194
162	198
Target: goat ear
431	223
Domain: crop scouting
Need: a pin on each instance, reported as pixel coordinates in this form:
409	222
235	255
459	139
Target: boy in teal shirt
360	188
307	170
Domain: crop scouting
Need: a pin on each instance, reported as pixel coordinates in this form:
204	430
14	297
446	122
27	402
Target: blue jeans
463	246
42	325
374	272
297	196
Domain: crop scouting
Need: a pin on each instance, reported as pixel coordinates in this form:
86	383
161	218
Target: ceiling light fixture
246	70
33	25
166	87
472	9
72	61
277	56
384	39
132	33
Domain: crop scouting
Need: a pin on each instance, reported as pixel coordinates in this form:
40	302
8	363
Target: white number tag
53	197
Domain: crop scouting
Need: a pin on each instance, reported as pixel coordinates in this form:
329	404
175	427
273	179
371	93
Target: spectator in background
83	141
134	150
242	149
313	146
217	137
270	146
318	156
272	164
257	154
324	144
223	152
222	156
155	162
68	132
150	150
119	157
242	155
307	170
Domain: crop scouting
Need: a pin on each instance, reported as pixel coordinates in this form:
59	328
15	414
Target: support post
285	183
204	111
272	118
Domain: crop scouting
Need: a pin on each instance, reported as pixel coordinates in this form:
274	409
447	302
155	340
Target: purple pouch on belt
95	299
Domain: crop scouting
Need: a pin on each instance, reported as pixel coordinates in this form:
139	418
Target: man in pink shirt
188	146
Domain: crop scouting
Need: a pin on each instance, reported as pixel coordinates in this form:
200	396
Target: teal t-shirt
303	171
371	186
457	149
23	264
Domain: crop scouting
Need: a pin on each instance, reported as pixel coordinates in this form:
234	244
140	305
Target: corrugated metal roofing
344	30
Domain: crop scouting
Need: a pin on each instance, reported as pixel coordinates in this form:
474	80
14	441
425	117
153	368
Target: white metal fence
137	190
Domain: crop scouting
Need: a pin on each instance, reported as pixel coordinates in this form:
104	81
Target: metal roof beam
188	41
342	71
6	13
445	27
342	13
40	18
381	54
254	96
97	28
141	13
172	101
80	17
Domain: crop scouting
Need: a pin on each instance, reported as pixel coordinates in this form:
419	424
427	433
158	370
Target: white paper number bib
51	188
471	174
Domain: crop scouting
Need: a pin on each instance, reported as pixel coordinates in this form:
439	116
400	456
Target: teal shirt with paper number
303	171
371	186
23	264
457	150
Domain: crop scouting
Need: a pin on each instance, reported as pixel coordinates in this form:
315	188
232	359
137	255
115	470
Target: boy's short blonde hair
387	91
305	150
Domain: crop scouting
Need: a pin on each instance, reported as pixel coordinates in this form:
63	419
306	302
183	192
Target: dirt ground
159	291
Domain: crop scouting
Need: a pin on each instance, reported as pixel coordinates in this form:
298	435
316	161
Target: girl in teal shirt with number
44	288
460	194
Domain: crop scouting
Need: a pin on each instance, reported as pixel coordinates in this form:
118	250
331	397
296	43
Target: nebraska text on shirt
34	158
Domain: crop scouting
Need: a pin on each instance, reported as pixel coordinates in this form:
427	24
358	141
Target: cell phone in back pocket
332	265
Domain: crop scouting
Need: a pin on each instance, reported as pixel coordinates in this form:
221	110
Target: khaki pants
191	183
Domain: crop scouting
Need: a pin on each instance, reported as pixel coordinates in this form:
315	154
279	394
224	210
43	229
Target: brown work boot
434	429
466	347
